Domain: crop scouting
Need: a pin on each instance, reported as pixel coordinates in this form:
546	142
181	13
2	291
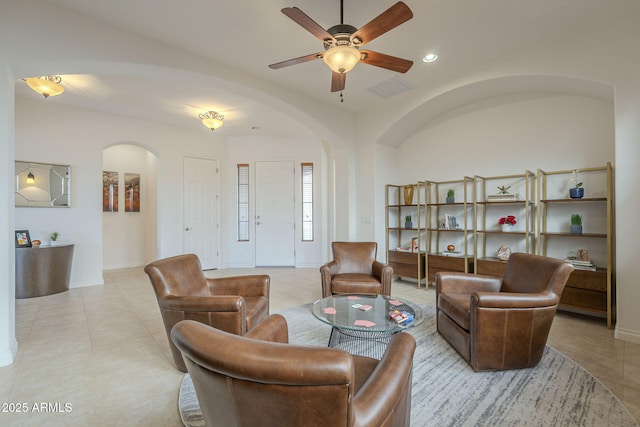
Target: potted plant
451	196
506	223
576	224
577	191
407	222
54	238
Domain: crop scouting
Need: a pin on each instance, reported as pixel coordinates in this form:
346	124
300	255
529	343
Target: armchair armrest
383	272
386	386
508	300
273	329
460	283
220	303
327	271
246	286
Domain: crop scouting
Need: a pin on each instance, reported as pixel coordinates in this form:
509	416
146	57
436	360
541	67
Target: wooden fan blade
295	61
307	23
386	61
338	81
387	20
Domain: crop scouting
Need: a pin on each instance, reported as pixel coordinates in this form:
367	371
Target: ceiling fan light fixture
342	58
212	120
45	85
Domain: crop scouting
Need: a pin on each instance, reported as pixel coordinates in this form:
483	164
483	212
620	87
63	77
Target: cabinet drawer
584	299
439	263
448	263
491	268
404	257
591	280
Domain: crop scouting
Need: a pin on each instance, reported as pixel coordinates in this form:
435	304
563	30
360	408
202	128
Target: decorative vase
408	225
451	199
506	227
408	194
451	248
576	193
576	229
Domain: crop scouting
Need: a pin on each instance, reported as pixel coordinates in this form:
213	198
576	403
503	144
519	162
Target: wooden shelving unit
405	264
490	205
440	234
587	292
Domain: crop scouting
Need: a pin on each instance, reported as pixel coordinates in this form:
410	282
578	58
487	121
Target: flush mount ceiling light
212	120
46	85
430	57
31	179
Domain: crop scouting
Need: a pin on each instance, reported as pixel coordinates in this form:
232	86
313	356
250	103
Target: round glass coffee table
364	324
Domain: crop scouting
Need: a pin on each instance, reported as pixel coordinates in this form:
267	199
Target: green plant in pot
576	224
407	222
451	196
54	238
577	191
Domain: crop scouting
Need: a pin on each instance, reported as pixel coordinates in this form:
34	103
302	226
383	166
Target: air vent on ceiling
391	87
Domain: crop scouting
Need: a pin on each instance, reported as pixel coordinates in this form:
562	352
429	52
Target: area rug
447	392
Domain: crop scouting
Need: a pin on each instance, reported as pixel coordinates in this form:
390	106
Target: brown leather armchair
501	323
355	270
259	379
233	304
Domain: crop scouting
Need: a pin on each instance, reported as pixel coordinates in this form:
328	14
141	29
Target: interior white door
275	206
200	182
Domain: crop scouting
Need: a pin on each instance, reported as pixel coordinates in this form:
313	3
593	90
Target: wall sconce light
212	120
31	179
45	85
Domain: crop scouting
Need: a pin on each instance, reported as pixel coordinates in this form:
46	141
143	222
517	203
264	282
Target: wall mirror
42	185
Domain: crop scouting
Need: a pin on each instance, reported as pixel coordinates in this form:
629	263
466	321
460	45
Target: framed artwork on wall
23	240
109	191
132	186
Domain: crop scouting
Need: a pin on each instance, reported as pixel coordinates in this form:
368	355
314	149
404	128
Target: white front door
200	203
275	223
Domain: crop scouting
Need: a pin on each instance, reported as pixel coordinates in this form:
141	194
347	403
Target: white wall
8	343
78	137
508	135
129	238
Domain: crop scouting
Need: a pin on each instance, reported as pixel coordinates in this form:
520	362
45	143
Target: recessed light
430	57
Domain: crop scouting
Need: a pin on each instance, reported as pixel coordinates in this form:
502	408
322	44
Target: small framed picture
23	240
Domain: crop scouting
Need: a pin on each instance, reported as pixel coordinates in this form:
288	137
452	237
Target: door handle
258	223
187	229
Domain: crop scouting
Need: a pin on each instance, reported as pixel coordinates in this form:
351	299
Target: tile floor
99	355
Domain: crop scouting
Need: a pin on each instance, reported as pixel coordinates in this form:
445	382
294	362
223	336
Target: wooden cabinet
404	237
591	288
438	263
406	264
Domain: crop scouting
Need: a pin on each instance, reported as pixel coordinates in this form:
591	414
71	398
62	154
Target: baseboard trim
627	335
8	357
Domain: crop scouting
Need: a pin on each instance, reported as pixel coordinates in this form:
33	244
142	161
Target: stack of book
503	197
581	265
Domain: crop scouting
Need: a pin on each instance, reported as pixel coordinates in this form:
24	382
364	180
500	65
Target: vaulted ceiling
249	35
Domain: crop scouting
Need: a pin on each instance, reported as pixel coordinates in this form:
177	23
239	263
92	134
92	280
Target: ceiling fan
342	43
